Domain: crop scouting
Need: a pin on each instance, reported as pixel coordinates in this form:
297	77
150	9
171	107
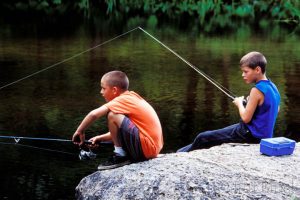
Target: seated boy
134	127
257	118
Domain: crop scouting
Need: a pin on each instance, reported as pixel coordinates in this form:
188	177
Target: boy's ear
258	69
115	90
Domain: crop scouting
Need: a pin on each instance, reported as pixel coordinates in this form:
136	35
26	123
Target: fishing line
39	148
211	80
226	91
67	59
18	138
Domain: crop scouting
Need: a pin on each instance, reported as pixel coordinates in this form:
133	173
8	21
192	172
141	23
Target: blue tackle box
277	146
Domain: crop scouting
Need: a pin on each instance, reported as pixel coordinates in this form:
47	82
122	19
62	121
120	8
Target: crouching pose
134	127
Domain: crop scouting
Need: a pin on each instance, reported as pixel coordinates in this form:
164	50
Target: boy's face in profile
250	75
107	91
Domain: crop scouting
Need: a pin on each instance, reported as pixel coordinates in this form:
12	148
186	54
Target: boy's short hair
117	79
254	59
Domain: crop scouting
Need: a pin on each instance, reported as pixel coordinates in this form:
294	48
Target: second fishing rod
208	78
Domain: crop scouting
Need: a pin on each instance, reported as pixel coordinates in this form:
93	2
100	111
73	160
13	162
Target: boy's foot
115	161
87	155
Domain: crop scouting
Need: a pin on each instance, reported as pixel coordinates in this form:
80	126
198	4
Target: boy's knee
110	115
115	117
204	136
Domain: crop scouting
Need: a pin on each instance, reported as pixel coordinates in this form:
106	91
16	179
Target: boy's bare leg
120	157
114	123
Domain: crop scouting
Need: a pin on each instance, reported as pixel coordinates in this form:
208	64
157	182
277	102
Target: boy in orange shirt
134	127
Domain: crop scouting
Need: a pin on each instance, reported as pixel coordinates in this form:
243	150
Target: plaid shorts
130	140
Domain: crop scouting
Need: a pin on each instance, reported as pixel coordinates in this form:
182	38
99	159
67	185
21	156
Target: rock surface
229	171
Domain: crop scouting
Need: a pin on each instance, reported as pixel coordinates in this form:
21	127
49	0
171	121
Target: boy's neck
262	77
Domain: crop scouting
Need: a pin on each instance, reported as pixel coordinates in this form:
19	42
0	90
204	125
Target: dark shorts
130	140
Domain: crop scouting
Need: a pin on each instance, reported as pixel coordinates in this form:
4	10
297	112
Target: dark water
53	102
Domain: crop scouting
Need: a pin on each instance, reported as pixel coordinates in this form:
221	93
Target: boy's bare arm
87	121
100	138
255	98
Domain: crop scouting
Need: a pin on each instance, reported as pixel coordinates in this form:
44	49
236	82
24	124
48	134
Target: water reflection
292	101
52	103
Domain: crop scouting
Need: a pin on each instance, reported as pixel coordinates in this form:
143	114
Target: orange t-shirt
144	117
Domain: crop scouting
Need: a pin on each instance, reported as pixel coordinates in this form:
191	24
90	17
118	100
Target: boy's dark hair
254	59
117	79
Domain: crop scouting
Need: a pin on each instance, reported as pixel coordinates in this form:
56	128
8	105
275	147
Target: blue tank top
263	120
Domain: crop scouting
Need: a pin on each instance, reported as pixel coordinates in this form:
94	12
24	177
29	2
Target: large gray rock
223	172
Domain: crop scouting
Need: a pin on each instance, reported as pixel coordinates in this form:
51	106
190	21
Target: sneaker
115	161
87	155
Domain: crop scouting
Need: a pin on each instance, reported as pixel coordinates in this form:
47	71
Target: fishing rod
211	80
18	138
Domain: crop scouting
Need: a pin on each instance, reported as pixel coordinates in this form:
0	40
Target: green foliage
212	15
152	21
209	15
45	7
110	5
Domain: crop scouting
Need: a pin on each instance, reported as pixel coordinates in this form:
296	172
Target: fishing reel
245	101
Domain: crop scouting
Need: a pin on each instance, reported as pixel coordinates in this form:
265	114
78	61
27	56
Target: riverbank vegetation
206	15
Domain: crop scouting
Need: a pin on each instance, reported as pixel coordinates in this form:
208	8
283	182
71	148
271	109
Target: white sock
120	151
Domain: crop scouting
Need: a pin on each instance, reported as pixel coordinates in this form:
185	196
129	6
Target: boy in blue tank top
257	117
